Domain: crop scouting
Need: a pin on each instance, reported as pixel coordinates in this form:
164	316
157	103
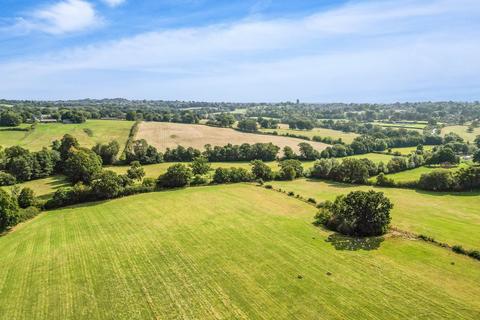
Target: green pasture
223	252
451	217
88	134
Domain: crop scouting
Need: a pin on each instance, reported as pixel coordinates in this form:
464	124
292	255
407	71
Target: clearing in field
462	132
346	137
451	217
170	135
234	251
88	134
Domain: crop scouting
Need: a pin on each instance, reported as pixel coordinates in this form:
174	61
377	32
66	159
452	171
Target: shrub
474	254
268	186
149	182
27	214
136	171
200	166
383	181
26	198
311	200
6	179
357	214
459	249
199	180
291	193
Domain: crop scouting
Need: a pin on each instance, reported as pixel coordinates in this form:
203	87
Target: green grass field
45	133
224	252
415	174
409	126
407	150
322	132
462	132
44	188
452	217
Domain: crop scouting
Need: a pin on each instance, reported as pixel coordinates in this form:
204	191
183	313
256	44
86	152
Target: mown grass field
415	174
346	137
462	132
450	217
235	251
170	135
45	133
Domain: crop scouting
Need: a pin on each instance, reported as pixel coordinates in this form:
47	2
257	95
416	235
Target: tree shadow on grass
341	242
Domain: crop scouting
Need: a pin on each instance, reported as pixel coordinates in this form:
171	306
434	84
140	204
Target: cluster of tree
359	213
16	207
73	116
19	164
349	170
300	124
268	123
10	118
432	112
446	180
223	120
92	183
248	125
141	151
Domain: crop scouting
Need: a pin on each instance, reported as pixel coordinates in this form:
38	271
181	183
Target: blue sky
249	50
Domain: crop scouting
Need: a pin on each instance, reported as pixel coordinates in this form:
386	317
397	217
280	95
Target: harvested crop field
170	135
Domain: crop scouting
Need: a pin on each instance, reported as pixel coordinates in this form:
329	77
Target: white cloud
113	3
60	18
416	49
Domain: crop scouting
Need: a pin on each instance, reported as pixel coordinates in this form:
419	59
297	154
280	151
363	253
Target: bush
200	166
26	198
136	171
149	182
27	214
383	181
199	180
459	249
268	186
357	214
6	179
177	176
311	200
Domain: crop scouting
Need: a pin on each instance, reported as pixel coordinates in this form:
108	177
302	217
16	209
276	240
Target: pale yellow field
170	135
346	137
462	132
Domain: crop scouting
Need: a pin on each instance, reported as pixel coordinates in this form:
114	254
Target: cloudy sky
241	50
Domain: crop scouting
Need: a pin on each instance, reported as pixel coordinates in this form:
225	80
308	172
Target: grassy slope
462	132
346	137
448	217
44	134
221	252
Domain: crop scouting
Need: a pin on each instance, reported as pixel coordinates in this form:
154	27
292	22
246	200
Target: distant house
44	118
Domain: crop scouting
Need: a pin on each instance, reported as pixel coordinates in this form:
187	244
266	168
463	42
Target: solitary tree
136	171
8	210
359	213
261	171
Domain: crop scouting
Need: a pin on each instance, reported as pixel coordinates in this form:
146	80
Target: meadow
448	217
417	126
170	135
462	132
87	134
236	251
415	174
43	188
346	137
